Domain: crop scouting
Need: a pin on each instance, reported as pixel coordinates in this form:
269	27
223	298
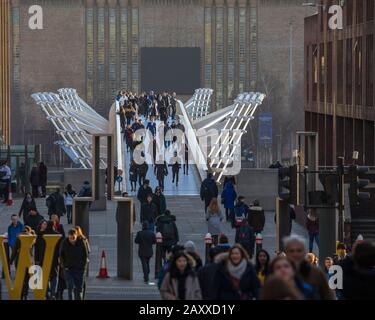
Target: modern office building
339	82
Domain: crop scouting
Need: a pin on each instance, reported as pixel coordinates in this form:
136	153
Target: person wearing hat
145	240
192	251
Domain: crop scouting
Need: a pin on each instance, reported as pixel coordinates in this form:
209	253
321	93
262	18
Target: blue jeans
311	241
74	282
151	226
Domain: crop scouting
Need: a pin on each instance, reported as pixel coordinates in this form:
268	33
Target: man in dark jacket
208	190
223	246
149	212
145	239
34	180
175	163
85	191
256	217
33	219
56	203
245	237
166	225
144	191
74	258
43	178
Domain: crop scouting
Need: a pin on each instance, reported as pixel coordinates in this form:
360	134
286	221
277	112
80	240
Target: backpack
244	235
239	215
167	230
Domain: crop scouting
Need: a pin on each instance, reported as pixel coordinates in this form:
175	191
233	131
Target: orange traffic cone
103	273
10	197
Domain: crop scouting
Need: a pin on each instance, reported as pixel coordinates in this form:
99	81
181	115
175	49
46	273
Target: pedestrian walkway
189	212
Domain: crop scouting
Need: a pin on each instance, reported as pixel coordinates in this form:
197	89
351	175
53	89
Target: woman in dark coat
161	170
28	204
43	178
133	175
35	180
235	278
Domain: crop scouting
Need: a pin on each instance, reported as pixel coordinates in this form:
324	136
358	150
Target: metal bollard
158	255
208	241
259	243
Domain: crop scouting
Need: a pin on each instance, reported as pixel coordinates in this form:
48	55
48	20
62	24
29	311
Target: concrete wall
261	184
76	177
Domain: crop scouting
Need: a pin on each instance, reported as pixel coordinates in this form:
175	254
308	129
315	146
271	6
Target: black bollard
259	243
208	242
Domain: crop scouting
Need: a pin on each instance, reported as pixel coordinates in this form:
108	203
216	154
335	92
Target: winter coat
145	239
143	193
208	190
33	221
247	240
220	248
13	232
148	212
161	170
223	288
229	195
133	172
206	277
160	226
26	207
42	175
142	169
69	197
159	201
169	288
214	223
257	219
35	177
85	191
57	204
241	209
315	277
74	257
312	224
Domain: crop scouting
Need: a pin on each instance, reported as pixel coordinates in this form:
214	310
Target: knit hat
190	246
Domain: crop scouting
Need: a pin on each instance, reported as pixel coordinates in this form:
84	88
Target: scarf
237	271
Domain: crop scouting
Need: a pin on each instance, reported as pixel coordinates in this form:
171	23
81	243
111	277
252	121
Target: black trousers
175	176
44	191
145	267
35	191
161	182
186	168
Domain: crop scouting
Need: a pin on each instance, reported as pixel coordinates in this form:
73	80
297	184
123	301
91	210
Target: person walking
33	219
175	163
262	262
158	199
14	229
149	212
235	278
191	250
133	176
74	258
312	226
208	190
241	211
129	133
180	282
21	176
186	160
58	227
222	246
161	171
166	225
28	204
56	203
144	191
43	173
245	237
35	180
142	172
256	217
5	177
228	197
145	240
295	250
214	218
69	196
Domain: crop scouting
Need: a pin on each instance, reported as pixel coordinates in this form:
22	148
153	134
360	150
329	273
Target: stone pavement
191	224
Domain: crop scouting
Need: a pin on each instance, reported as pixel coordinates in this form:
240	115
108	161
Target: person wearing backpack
56	204
245	237
241	212
69	195
208	190
86	190
256	217
166	225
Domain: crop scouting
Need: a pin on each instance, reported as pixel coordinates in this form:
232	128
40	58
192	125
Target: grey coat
214	222
169	288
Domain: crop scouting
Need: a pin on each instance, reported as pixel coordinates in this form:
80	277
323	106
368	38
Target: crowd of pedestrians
156	113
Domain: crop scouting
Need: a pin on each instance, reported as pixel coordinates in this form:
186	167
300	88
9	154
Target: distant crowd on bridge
157	114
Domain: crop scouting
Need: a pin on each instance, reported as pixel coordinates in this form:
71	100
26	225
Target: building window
208	48
242	49
322	68
230	50
219	56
